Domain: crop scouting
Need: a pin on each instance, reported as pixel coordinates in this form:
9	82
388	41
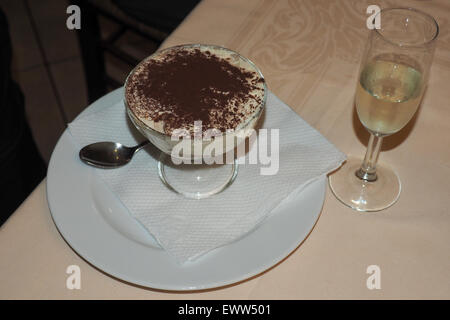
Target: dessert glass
199	179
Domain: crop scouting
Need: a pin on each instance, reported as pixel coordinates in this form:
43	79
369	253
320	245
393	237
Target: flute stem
368	170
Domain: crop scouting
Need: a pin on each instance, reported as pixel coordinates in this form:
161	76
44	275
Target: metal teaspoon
109	154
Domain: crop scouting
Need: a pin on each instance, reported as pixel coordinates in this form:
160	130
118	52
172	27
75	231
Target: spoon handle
141	145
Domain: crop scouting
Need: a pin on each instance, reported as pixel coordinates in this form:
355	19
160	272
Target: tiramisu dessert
177	87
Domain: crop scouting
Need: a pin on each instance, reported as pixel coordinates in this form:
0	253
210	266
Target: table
309	52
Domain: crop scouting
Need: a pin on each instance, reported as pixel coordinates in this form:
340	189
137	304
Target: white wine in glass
392	80
387	96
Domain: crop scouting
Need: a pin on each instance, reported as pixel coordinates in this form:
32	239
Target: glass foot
196	181
362	195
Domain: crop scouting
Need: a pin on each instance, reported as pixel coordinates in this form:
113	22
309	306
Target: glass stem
368	170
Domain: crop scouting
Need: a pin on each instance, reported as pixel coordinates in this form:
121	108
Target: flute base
361	195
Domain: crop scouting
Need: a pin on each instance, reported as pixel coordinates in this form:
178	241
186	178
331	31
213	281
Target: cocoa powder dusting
189	85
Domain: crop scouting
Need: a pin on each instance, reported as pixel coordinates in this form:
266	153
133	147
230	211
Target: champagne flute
393	76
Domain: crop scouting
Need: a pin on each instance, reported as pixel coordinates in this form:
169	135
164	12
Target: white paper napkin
188	228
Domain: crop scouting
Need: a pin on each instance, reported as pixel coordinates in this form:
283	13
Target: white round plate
100	229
